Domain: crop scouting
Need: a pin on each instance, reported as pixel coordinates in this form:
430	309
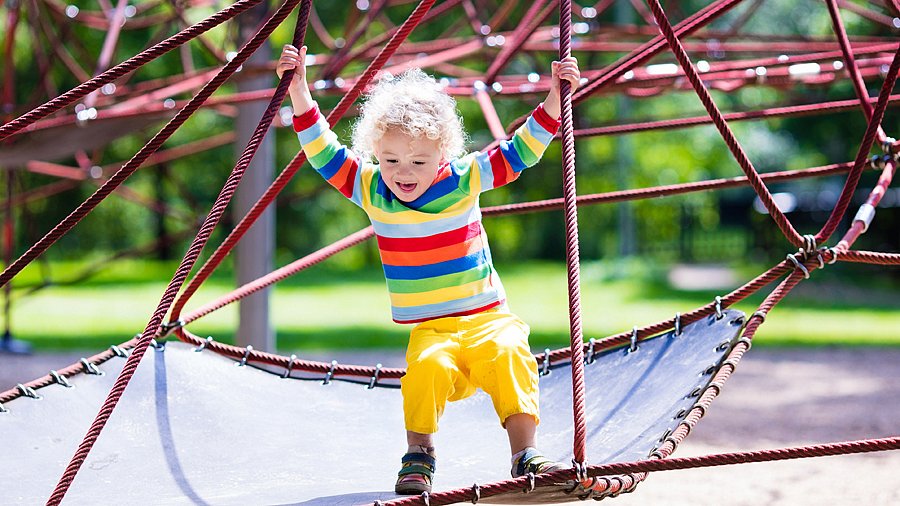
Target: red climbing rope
853	179
755	181
125	67
197	244
572	261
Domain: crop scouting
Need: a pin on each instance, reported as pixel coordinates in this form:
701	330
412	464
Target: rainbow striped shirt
434	250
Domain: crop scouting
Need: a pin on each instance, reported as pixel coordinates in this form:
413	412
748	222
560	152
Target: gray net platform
194	428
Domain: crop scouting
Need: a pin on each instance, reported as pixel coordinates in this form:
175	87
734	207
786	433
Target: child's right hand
294	59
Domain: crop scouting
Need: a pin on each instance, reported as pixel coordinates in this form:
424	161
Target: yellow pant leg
495	348
433	374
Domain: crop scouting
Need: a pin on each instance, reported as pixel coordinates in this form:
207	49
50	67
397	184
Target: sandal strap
421	464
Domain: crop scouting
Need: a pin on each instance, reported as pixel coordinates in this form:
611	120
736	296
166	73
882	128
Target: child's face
408	164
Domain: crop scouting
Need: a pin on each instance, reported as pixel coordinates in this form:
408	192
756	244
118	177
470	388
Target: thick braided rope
125	67
861	156
571	215
869	257
671	124
859	86
755	181
190	257
294	165
125	172
524	30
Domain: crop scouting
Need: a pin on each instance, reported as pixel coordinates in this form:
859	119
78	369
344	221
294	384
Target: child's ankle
420	449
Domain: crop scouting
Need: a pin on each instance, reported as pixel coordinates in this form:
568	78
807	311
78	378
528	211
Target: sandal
415	474
530	460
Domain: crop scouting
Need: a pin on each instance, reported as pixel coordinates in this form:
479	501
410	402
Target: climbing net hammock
650	403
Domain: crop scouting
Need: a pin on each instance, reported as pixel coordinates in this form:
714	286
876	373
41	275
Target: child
407	172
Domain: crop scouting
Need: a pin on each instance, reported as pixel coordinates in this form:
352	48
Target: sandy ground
776	399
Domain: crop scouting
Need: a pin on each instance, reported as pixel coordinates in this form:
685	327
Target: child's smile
408	164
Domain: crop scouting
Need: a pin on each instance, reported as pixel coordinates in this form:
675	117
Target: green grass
326	309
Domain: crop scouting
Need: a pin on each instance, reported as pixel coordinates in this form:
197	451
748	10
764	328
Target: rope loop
330	373
798	264
374	377
290	367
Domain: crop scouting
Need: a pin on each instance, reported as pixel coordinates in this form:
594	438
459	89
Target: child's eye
391	160
417	162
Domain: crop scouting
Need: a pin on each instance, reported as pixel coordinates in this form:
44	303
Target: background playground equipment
797	265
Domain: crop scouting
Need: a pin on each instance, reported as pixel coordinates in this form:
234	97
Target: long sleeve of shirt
434	250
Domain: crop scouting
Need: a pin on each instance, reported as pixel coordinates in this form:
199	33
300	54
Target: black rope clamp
290	367
330	373
374	376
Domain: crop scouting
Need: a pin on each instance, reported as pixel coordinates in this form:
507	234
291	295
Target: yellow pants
449	358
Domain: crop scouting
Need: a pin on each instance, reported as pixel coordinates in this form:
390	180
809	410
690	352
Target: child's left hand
566	69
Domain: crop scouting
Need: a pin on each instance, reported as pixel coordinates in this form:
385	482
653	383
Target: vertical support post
253	255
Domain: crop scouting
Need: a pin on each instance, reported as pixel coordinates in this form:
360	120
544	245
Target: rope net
859	59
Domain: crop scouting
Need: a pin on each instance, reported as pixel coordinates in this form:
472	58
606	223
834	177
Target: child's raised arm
568	70
294	59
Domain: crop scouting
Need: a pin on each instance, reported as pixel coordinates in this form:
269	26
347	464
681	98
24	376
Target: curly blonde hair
414	103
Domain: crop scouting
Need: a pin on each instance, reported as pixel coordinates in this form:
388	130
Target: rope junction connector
374	377
719	314
204	344
290	367
678	328
809	244
330	373
759	314
798	264
167	328
887	145
158	345
60	379
91	368
247	351
426	498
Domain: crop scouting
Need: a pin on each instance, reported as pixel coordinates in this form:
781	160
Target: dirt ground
777	398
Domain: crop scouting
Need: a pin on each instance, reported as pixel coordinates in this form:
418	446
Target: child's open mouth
406	187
